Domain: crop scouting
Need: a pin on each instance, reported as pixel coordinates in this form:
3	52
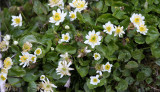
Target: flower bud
15	42
67	27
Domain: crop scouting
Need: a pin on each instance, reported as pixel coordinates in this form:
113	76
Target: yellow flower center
96	56
48	86
108	28
33	58
73	16
3	78
24	58
64	69
7	64
142	28
81	4
38	51
137	20
54	1
17	20
66	37
107	67
118	30
26	47
57	16
95	80
93	38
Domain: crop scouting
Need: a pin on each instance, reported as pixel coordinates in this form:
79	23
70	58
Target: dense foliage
135	57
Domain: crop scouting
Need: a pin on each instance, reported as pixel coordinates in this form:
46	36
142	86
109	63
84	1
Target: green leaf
65	48
104	18
155	49
29	77
82	70
140	39
141	76
119	14
131	64
52	56
32	87
39	8
99	5
157	62
138	55
27	38
15	81
80	17
152	35
124	55
122	85
17	71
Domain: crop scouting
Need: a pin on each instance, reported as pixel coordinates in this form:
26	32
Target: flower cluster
139	23
94	80
26	58
109	28
46	85
64	65
4	71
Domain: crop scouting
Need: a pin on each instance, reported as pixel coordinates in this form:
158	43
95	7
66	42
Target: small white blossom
73	15
94	80
67	27
137	19
65	37
107	67
17	20
24	59
109	28
7	37
15	42
119	31
64	68
38	51
58	17
93	38
97	56
142	29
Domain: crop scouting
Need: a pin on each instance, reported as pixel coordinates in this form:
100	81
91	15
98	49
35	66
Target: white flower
65	37
47	86
142	29
79	5
38	51
93	38
136	19
99	72
67	27
52	48
7	37
33	58
15	42
97	56
119	31
17	20
27	46
108	28
65	56
73	15
42	78
53	3
4	45
107	67
8	63
83	52
3	77
58	16
24	59
94	80
63	68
